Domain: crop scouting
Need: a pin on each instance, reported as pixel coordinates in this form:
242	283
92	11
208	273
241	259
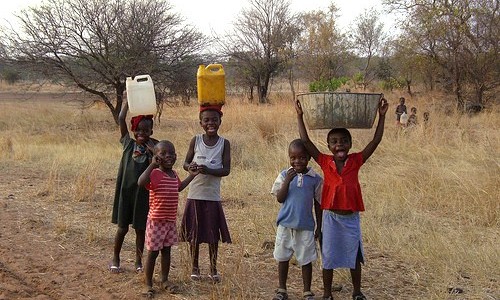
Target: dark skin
164	159
210	121
299	158
340	144
142	136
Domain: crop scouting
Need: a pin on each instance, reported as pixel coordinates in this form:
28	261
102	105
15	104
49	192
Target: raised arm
122	119
145	178
310	147
379	132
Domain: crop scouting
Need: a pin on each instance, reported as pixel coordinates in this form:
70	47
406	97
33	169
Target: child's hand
193	167
298	108
202	169
193	172
290	174
382	107
317	234
156	161
150	145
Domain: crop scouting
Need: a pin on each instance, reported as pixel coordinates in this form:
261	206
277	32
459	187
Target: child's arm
226	163
310	147
122	118
185	182
144	179
188	161
379	132
319	219
283	191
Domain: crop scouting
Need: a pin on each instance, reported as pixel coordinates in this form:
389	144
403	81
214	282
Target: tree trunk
458	91
290	81
115	111
250	97
263	89
408	87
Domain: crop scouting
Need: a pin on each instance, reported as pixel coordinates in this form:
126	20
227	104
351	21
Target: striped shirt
163	195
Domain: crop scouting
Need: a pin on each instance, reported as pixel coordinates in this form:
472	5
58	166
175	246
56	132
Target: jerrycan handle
141	78
215	67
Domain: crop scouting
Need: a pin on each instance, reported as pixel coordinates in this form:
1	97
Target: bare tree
368	39
95	44
260	43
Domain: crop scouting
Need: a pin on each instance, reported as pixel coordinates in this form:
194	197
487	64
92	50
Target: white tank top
206	187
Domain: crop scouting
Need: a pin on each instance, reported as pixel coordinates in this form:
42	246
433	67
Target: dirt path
46	255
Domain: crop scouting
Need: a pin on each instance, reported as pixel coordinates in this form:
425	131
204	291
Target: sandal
170	287
195	277
149	293
115	269
327	298
359	296
215	278
281	294
308	295
337	287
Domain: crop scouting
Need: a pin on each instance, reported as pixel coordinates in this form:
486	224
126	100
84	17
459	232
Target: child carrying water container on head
164	186
131	201
341	200
204	220
298	189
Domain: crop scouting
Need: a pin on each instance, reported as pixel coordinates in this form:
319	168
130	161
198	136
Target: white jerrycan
404	119
141	95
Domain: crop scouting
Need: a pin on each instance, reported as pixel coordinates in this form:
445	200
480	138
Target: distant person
412	119
298	189
164	186
204	220
131	201
400	109
341	200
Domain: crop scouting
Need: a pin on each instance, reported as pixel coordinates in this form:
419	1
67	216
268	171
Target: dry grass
431	193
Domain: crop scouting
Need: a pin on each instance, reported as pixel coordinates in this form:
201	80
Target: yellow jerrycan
211	84
141	95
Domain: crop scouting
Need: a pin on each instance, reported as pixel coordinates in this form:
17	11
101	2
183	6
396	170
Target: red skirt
204	222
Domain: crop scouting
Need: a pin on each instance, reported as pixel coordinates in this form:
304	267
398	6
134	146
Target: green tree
323	48
368	39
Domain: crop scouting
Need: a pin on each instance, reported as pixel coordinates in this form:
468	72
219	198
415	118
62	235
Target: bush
325	85
392	83
11	76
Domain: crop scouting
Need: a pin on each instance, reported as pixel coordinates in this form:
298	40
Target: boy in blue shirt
298	189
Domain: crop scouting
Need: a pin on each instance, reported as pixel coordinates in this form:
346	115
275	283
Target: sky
218	15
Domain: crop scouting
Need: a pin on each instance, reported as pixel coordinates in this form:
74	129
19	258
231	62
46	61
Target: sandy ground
42	258
47	252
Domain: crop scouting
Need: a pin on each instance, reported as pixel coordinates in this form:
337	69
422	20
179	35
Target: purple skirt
204	222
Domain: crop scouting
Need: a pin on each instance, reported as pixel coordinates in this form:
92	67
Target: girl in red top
164	186
341	200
